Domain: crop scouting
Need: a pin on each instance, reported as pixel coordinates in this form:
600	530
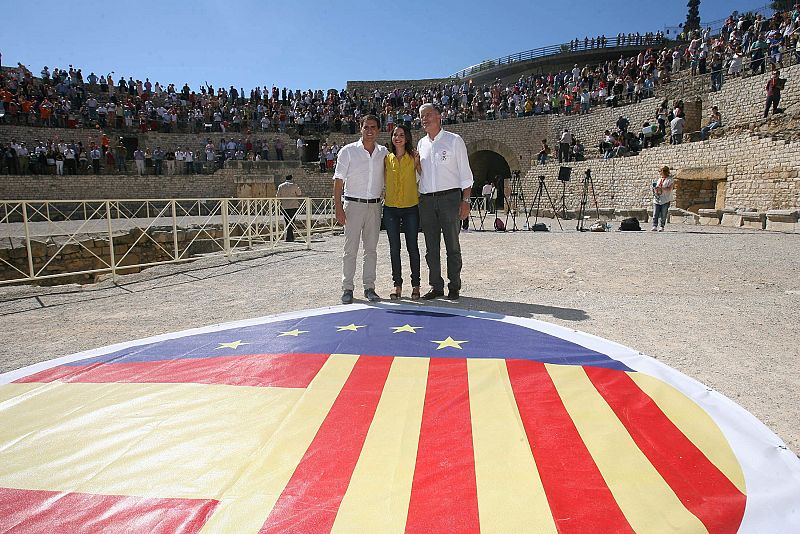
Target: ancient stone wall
761	174
115	186
53	257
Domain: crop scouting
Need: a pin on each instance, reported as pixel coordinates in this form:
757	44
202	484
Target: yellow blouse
401	182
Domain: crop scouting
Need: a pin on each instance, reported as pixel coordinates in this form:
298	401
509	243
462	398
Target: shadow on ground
501	308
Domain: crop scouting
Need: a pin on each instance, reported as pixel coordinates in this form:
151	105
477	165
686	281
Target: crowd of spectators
745	44
68	99
96	156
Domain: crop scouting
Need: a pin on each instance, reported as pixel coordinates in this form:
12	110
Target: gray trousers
363	223
439	217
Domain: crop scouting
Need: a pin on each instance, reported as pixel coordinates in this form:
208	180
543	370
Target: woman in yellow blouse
400	207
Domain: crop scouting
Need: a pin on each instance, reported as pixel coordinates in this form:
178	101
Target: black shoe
452	294
371	296
432	294
347	296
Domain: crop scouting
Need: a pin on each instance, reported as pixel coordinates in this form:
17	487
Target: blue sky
312	44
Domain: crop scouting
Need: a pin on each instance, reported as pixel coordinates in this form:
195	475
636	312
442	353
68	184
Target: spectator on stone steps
757	52
158	160
95	154
544	153
714	121
120	155
138	159
676	127
736	63
773	90
578	151
564	145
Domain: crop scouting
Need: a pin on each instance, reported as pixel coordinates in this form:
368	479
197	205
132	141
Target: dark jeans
408	218
288	214
716	80
439	217
772	101
157	163
563	152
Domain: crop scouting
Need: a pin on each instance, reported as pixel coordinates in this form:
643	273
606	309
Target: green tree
782	5
693	17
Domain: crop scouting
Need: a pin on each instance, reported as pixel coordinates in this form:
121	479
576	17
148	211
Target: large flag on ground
365	419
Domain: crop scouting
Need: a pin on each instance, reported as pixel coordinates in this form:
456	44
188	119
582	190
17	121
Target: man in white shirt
359	179
676	126
445	185
188	158
486	193
564	145
288	193
180	158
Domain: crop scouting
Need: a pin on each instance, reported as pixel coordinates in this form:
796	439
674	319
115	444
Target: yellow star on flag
231	345
449	342
352	327
294	333
406	328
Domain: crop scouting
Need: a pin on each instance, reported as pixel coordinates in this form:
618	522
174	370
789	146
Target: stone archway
491	145
488	160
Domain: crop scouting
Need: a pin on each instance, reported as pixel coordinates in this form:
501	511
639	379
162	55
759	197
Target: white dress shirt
361	172
444	162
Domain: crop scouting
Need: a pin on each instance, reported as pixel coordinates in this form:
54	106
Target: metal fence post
308	223
226	235
27	238
111	242
174	228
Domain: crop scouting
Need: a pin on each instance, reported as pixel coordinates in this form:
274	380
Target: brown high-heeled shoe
415	293
396	293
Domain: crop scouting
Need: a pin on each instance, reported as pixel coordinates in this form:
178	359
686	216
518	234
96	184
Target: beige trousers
363	223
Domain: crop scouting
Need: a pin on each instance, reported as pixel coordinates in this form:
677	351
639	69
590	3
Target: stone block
754	219
681	216
544	213
38	248
606	214
783	221
708	217
783	215
731	220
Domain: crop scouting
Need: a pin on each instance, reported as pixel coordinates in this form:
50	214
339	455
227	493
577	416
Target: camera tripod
587	183
537	201
512	201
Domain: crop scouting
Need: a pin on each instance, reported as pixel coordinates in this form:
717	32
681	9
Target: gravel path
717	304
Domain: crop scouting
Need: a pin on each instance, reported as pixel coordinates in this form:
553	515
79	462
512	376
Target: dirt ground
717	304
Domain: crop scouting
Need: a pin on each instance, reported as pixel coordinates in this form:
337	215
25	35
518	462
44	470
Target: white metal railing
48	239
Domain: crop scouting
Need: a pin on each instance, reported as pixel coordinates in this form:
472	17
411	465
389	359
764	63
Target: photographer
662	197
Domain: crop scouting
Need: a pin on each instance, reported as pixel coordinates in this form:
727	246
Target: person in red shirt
26	105
46	112
773	89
